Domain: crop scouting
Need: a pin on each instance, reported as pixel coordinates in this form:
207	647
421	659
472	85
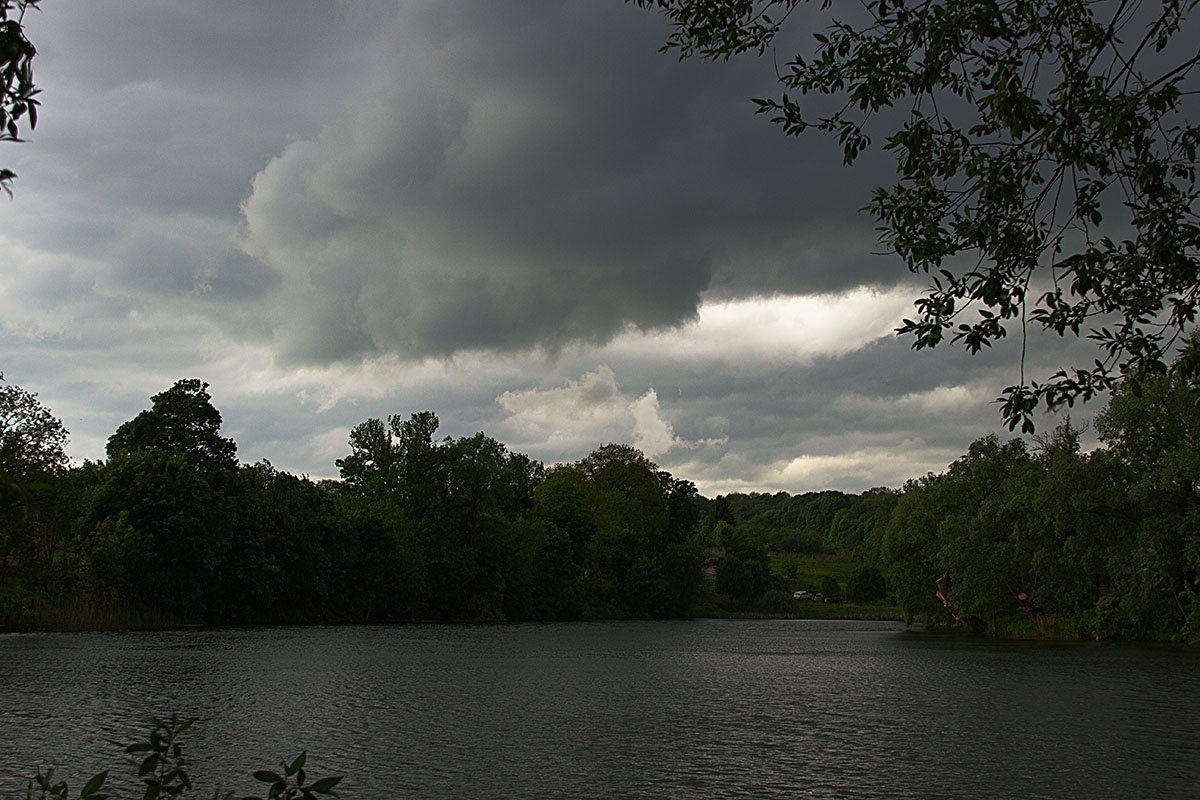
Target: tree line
1026	536
1019	536
170	526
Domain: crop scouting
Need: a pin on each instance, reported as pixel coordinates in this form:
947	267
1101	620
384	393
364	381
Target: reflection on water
631	709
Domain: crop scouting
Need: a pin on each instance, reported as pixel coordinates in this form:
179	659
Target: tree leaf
93	785
324	785
297	763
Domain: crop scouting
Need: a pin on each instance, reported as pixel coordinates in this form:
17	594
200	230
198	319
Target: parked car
802	595
820	598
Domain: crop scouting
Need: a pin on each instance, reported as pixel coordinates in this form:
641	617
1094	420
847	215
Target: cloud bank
521	216
515	186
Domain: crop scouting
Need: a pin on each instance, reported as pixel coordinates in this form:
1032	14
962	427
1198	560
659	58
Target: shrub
777	602
160	765
741	580
865	585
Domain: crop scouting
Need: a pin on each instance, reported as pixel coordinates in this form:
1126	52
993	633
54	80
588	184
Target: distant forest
1015	537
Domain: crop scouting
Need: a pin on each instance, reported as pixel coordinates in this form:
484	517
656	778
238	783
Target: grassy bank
789	572
848	611
810	571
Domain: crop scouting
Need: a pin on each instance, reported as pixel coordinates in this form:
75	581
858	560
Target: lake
670	709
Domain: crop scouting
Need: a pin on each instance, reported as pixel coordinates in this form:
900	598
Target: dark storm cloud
507	182
202	45
155	117
170	107
439	176
229	190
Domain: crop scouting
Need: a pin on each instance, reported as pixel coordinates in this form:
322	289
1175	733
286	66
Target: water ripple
712	709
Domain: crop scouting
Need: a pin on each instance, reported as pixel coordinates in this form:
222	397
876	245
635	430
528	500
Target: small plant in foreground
160	765
282	789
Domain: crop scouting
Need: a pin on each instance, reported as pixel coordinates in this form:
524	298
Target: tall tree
373	466
391	481
181	421
956	544
561	500
1153	434
154	531
33	463
1045	155
641	559
161	522
32	439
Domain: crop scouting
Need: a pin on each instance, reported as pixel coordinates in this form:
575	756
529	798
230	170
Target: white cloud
571	419
852	470
652	434
568	418
792	329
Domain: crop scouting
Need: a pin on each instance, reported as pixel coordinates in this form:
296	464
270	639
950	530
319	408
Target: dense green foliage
34	480
1038	539
172	527
1045	158
813	522
1102	544
866	585
1013	537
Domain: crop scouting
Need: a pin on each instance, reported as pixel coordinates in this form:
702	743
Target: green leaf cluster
160	766
290	785
18	94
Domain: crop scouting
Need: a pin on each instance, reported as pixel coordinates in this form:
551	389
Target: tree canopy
1045	163
181	421
1016	536
35	492
31	438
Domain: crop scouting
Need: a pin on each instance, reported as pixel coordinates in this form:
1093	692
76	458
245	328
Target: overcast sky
518	215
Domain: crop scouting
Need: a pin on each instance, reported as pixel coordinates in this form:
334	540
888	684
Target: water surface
704	709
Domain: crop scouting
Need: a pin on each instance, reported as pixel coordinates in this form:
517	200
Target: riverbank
150	623
813	611
61	619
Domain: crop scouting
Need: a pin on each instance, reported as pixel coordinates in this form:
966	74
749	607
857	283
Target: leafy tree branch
1045	161
17	91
